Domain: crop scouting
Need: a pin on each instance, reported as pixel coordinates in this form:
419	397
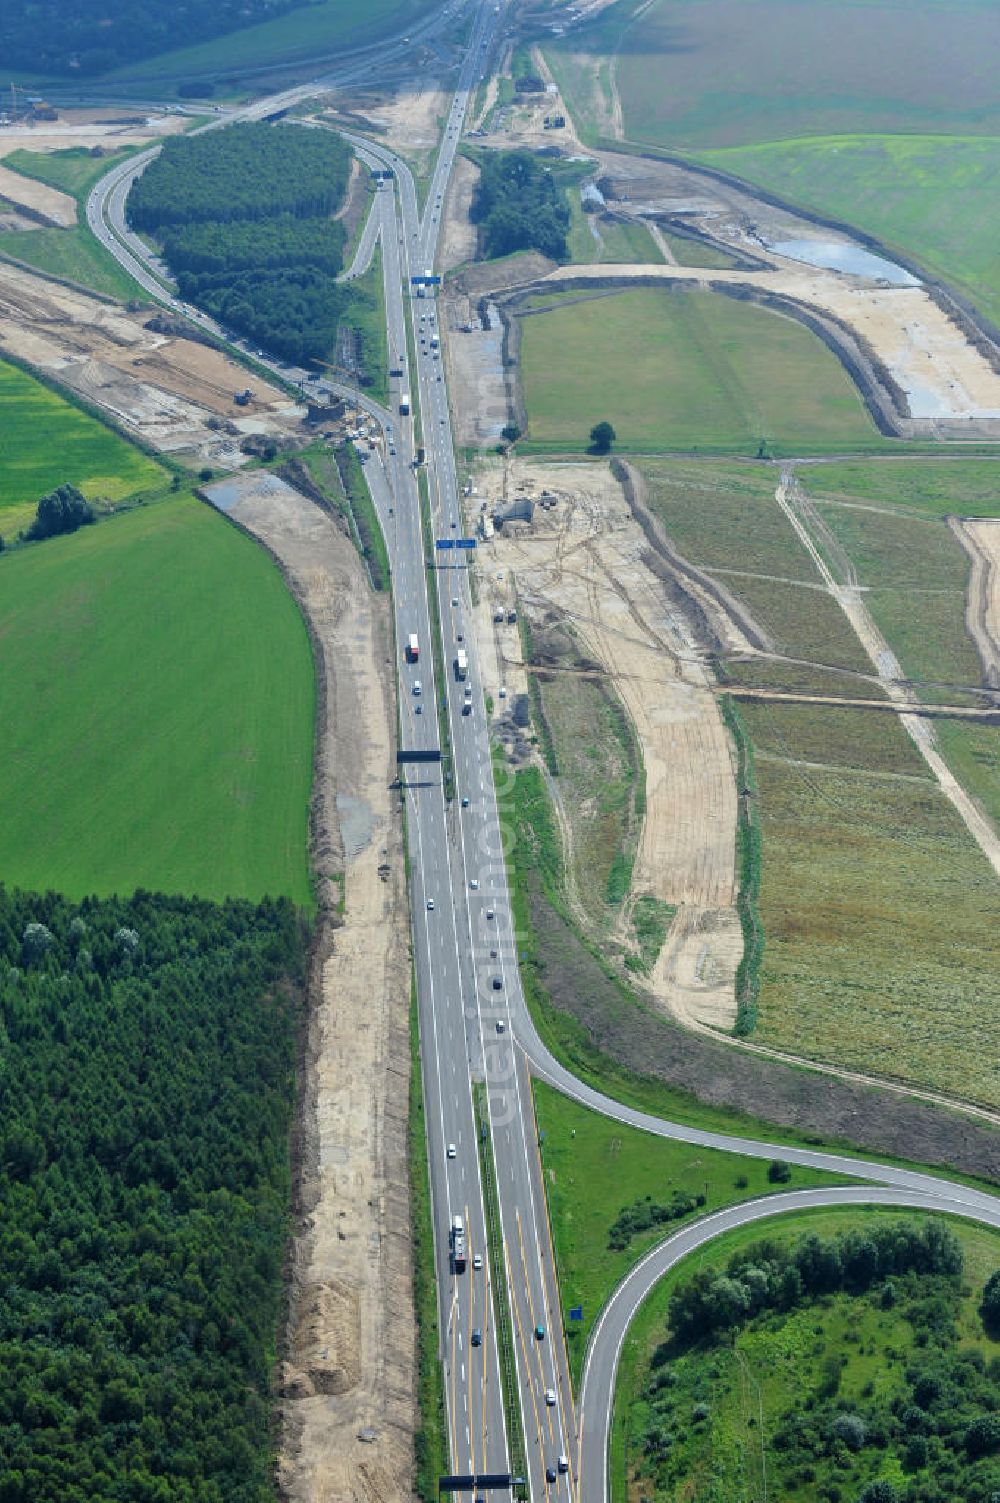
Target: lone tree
602	436
62	510
510	433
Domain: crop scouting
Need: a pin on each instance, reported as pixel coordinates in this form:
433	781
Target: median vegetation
144	1191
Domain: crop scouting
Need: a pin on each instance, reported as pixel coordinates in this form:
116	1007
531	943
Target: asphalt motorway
457	861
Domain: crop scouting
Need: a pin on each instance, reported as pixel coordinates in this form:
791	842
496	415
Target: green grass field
855	1346
915	573
724	514
81	451
705	73
156	712
592	238
925	487
75	170
72	254
834	737
685	369
930	197
724	517
860	868
308	33
594	1168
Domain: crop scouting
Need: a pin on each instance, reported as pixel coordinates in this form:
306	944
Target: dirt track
350	1359
585	563
980	537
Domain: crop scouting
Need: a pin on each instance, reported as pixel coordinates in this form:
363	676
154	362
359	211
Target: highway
475	1027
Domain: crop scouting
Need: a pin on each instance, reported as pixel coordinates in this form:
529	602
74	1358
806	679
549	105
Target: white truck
457	1239
412	648
461	663
404	403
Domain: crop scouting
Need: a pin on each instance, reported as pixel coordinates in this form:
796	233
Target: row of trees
240	217
774	1276
518	205
91	36
250	171
148	1077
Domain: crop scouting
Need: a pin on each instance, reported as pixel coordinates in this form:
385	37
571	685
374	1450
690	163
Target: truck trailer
404	403
458	1243
412	648
461	663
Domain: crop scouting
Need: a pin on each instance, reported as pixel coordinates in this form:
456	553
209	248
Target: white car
550	1397
451	1150
418	687
477	1261
474	884
489	913
430	905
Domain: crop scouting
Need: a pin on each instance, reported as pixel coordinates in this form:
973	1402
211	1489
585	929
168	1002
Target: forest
249	171
86	37
519	205
242	216
147	1084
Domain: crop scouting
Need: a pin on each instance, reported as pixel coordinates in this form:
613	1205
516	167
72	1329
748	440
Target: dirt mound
980	537
326	1341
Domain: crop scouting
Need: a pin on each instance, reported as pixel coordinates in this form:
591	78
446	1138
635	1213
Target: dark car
539	1333
477	1337
550	1474
497	983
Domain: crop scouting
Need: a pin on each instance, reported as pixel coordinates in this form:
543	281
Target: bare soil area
980	537
458	233
107	128
584	562
47	205
348	1382
161	388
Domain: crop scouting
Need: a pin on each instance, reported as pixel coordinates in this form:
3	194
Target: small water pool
841	255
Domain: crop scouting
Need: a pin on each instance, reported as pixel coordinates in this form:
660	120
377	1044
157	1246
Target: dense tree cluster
147	1079
213	248
245	172
91	36
240	213
772	1276
62	510
519	205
